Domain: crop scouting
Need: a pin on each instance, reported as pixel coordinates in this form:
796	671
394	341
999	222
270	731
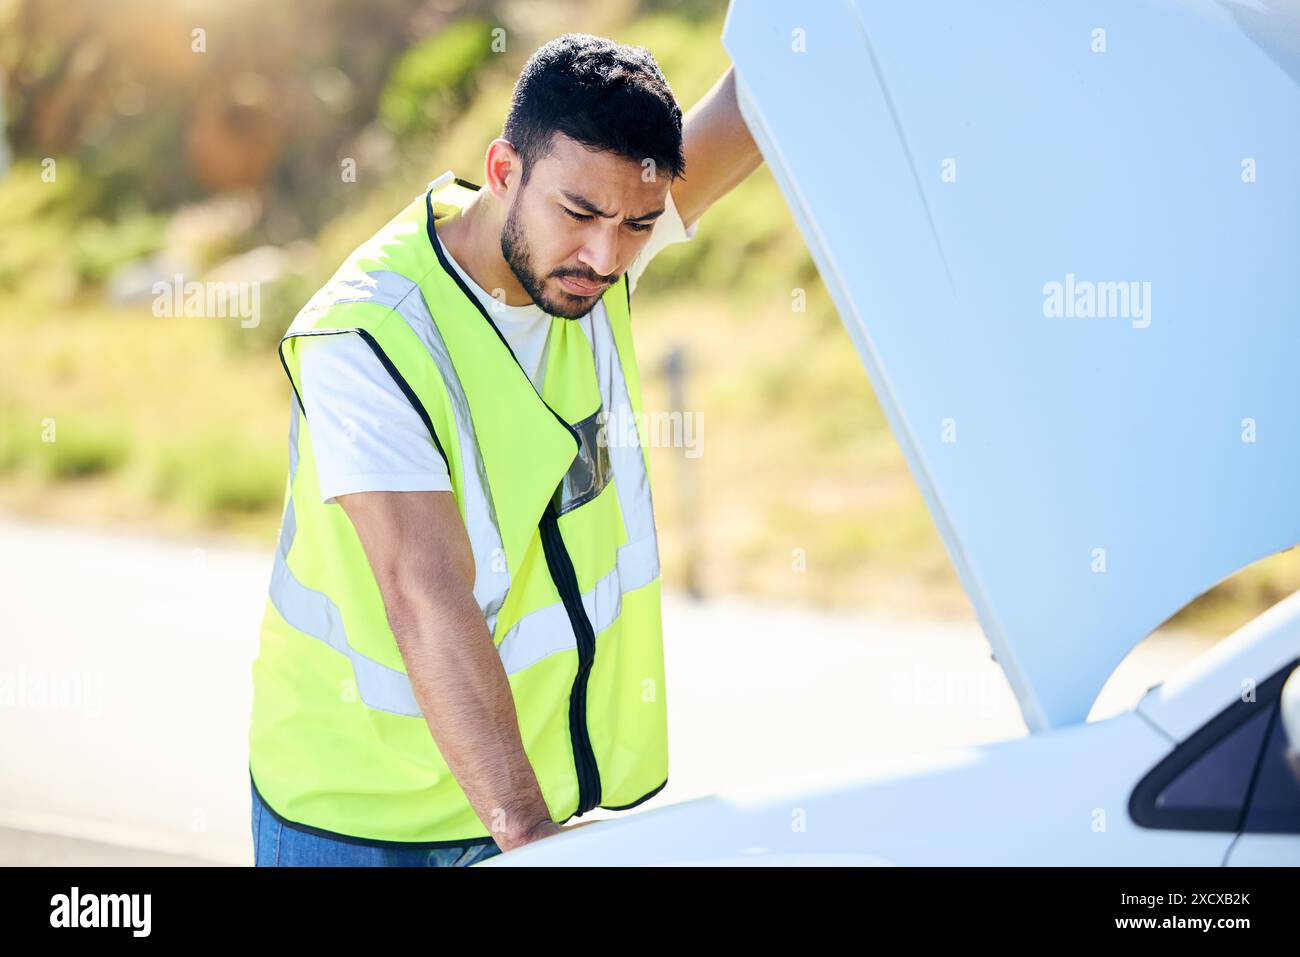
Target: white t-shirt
366	435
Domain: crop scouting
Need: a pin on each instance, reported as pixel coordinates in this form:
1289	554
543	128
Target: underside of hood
1064	238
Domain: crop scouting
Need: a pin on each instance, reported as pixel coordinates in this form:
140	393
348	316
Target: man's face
573	230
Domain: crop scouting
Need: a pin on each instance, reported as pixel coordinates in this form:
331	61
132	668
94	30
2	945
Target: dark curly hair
606	95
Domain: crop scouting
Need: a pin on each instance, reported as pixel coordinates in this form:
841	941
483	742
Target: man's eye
578	216
641	227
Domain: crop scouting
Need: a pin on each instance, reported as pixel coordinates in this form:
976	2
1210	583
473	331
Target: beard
518	256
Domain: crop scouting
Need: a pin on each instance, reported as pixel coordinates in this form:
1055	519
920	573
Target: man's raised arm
720	152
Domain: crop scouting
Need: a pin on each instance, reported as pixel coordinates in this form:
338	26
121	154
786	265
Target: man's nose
600	255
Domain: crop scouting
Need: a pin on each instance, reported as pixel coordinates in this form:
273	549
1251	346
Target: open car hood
966	176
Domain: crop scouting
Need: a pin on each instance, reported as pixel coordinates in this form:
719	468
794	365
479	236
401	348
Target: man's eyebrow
583	203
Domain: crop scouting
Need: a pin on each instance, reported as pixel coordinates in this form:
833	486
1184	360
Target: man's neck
474	239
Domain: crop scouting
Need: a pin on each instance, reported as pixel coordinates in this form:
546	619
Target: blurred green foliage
434	79
81	449
214	471
99	247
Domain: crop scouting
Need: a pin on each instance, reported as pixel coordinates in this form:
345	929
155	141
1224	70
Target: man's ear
502	169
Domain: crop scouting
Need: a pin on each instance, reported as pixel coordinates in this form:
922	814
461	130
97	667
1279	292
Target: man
461	649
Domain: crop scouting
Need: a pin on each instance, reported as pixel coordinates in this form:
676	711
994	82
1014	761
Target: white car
1193	776
1063	239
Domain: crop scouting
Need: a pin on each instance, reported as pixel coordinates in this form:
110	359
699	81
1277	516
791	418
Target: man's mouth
580	287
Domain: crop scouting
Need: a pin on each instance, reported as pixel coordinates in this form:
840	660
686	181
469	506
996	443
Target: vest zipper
566	582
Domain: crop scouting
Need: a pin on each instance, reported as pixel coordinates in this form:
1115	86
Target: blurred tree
165	102
435	77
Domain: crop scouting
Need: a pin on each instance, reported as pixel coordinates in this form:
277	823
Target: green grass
216	471
81	451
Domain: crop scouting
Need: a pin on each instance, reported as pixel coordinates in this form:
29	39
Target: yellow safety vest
560	519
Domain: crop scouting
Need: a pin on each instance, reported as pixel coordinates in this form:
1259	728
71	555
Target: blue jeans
276	844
